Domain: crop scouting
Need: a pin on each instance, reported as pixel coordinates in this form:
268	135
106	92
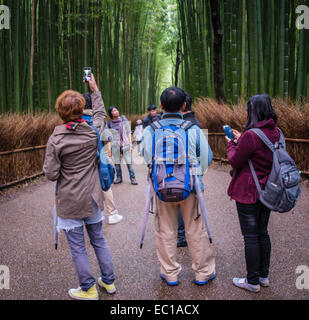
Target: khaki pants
166	225
109	204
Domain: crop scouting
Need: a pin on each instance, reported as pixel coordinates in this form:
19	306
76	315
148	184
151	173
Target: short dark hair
172	99
152	107
110	111
188	102
87	97
259	108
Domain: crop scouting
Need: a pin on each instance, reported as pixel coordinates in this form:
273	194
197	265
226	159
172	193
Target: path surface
39	272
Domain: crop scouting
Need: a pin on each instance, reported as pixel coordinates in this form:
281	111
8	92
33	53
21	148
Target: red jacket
242	187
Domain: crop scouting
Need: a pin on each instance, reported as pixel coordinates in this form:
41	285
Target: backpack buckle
278	145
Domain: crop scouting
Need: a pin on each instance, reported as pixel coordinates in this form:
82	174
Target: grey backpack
282	188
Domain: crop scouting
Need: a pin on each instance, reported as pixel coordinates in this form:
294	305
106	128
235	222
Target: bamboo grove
262	50
224	49
50	42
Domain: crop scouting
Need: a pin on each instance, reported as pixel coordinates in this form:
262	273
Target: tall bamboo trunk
217	49
16	57
292	47
272	50
177	64
243	49
281	34
252	61
227	49
260	48
300	64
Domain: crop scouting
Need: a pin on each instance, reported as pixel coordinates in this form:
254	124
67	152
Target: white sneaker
243	283
264	282
115	218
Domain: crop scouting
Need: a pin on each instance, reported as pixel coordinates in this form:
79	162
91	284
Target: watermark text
4	17
302	281
4	278
302	21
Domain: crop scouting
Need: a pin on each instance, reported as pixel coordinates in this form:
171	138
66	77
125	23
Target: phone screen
87	73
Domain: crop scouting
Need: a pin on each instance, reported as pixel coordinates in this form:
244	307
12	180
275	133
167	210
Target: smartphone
87	73
228	132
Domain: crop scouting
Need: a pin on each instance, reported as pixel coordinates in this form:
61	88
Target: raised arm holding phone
71	161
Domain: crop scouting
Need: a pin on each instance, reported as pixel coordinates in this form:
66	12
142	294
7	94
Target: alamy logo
4	17
302	21
4	278
302	281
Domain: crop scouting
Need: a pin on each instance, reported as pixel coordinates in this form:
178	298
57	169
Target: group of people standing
79	200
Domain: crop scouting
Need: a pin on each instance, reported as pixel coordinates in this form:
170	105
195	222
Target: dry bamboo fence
20	165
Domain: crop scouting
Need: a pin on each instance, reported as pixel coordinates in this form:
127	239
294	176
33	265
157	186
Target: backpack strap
186	125
263	137
100	145
156	125
272	147
255	178
282	139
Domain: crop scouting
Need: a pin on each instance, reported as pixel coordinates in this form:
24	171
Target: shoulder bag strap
263	137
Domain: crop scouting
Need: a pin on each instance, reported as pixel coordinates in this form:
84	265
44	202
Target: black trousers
254	220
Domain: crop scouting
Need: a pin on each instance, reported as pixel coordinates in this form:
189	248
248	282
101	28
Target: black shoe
181	244
133	181
117	181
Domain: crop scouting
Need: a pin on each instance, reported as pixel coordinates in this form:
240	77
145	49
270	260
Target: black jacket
147	121
191	117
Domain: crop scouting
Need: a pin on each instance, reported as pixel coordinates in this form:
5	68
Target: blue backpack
171	177
106	169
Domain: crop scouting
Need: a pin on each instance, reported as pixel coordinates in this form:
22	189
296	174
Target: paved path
39	272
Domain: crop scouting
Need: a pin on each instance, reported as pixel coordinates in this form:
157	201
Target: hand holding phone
92	85
228	132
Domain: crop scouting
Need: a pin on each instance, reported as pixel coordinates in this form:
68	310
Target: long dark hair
110	111
259	108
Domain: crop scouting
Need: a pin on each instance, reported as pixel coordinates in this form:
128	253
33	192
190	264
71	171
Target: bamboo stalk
271	85
300	64
16	10
234	50
260	49
243	49
5	153
281	34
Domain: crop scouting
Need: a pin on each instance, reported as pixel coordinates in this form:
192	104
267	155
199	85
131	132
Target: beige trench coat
71	160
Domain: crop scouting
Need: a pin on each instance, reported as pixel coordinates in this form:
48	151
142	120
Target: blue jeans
119	171
181	229
76	241
126	152
254	220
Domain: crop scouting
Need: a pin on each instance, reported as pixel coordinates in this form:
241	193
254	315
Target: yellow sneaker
110	288
79	294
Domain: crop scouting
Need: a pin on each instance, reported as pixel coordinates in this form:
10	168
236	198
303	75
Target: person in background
138	135
253	215
188	115
111	212
151	117
120	143
71	161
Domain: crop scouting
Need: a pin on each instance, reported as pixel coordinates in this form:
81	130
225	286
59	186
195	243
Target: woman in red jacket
253	215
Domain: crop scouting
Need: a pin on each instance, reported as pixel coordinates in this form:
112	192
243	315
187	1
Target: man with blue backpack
178	155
